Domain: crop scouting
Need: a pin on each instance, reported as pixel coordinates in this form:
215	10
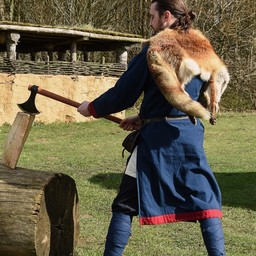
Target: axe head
29	106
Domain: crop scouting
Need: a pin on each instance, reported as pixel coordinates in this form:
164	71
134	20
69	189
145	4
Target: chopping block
39	210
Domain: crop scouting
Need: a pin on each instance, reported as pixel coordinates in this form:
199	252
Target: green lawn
91	153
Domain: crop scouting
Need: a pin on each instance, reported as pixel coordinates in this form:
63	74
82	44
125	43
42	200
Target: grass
91	153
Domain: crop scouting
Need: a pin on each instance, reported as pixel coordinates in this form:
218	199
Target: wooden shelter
30	39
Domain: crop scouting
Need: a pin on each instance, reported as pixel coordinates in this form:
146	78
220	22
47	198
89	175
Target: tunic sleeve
126	91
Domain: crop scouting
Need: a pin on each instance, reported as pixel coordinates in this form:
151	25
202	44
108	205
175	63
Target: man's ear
167	15
168	18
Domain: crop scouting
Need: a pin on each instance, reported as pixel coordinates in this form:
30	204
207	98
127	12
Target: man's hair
179	10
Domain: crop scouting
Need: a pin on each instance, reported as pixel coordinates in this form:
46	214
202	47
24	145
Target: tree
229	24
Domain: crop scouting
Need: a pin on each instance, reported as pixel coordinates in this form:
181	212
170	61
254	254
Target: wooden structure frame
23	38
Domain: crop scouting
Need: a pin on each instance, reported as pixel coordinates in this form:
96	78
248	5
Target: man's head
169	14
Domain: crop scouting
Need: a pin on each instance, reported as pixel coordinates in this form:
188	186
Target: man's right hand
83	109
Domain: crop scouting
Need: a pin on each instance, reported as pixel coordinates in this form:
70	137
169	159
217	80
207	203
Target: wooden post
122	56
11	42
73	53
103	60
50	51
16	139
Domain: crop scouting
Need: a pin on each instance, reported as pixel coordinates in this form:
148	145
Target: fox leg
213	103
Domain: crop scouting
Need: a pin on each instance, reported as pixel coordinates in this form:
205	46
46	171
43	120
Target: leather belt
165	118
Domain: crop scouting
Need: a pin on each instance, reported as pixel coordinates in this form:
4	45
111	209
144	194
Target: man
167	178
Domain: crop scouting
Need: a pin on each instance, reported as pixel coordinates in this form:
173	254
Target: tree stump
39	213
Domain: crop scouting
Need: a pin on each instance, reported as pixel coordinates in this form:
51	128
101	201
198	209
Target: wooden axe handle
68	101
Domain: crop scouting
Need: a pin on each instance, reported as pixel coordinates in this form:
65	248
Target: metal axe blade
29	106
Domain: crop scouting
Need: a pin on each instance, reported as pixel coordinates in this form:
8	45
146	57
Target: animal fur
174	58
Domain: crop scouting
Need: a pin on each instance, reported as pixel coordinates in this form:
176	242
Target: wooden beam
16	139
97	34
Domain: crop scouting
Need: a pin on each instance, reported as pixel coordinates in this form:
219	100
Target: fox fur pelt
174	58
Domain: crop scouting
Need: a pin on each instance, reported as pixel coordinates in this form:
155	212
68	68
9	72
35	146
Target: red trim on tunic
92	110
193	216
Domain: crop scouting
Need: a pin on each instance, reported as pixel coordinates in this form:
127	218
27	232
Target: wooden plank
16	139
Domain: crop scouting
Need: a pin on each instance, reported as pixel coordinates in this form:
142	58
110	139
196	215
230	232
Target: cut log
39	213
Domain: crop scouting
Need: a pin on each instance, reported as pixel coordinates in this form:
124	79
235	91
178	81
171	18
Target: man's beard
160	27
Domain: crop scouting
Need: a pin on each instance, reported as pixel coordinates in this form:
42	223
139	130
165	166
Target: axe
30	107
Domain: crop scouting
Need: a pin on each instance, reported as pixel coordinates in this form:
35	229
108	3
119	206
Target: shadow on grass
107	180
238	189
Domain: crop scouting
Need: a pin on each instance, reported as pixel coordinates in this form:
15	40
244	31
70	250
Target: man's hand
83	109
131	123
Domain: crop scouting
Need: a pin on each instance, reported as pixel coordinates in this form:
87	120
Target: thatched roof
38	38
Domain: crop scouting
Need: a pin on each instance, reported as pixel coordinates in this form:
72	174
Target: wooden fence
61	68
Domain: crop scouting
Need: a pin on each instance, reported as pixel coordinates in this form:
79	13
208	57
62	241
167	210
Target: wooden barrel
39	213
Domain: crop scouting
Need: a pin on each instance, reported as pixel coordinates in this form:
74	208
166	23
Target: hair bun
192	15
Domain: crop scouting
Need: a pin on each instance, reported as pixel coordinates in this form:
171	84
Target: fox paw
193	120
213	120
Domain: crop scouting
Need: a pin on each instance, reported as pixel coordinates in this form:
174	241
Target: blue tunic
175	182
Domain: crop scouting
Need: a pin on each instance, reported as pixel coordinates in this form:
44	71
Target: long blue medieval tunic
175	182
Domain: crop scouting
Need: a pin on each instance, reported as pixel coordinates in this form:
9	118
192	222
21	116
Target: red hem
92	110
193	216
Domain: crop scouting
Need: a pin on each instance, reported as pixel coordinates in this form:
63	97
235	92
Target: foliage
229	24
91	153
